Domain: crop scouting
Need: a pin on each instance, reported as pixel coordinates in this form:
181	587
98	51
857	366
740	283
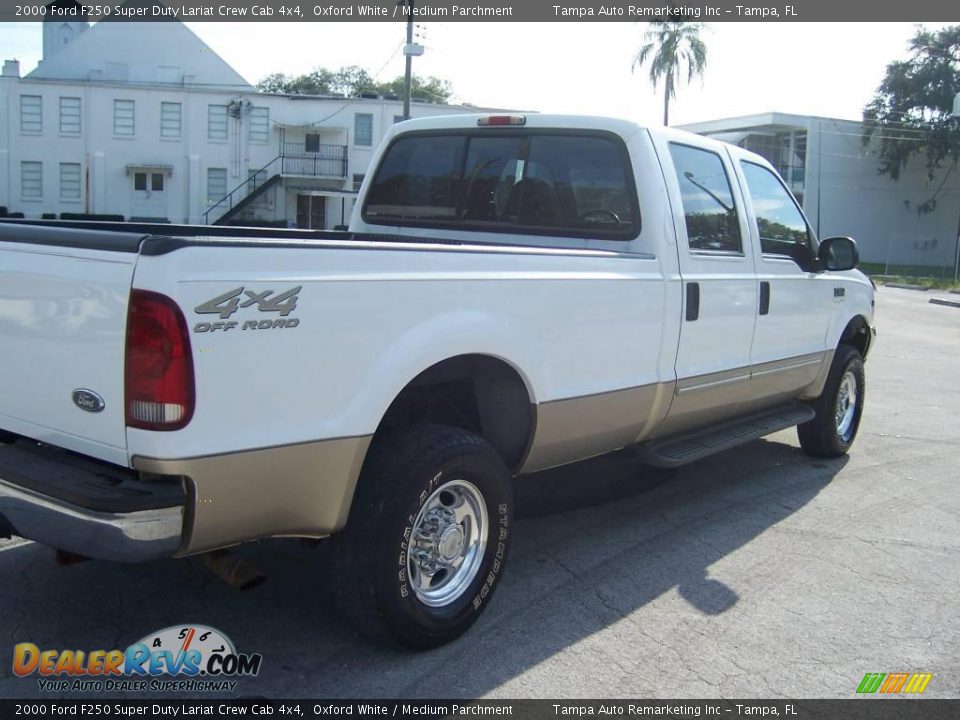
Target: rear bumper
90	509
122	537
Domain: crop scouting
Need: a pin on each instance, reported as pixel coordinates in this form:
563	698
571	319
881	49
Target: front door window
780	224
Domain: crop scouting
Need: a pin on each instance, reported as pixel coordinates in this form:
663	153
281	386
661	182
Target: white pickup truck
514	293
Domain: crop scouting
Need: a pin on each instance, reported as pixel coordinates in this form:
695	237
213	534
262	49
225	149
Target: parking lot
760	572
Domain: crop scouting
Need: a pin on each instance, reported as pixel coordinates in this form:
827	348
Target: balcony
313	160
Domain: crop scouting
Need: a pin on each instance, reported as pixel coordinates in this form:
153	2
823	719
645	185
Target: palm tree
669	46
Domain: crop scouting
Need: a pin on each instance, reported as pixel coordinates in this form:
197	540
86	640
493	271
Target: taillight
159	364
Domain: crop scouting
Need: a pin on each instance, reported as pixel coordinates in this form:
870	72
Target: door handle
764	297
693	301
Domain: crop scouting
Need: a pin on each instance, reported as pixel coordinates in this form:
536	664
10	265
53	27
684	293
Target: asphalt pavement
760	572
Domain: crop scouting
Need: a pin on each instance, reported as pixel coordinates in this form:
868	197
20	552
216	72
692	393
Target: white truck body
594	333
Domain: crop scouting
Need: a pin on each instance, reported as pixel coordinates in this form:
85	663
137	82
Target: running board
688	447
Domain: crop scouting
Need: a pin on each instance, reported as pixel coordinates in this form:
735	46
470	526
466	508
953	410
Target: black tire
821	436
372	571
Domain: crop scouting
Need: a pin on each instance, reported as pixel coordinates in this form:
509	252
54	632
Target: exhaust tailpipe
233	570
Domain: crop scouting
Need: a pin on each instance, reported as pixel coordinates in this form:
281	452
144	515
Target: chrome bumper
122	537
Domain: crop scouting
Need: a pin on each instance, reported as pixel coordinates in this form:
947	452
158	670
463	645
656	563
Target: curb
948	303
903	286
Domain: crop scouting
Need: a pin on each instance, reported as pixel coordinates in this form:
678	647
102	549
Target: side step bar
688	447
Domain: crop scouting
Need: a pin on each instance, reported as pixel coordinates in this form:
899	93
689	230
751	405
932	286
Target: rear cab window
569	184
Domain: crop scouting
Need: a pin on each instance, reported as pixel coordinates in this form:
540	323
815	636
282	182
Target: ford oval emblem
88	400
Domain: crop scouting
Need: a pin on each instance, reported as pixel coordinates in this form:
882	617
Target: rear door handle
764	297
693	301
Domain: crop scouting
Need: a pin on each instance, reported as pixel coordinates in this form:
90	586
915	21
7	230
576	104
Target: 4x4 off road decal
240	298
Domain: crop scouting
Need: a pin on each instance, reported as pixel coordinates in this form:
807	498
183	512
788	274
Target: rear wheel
839	407
427	538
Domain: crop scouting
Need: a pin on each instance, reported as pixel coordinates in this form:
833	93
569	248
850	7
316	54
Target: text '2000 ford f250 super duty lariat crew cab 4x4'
514	293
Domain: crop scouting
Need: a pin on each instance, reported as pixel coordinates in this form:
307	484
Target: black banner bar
487	10
862	708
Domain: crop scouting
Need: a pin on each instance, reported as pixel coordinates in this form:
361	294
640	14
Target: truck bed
130	236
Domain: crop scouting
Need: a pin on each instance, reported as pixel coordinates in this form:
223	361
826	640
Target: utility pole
408	72
409	50
956	255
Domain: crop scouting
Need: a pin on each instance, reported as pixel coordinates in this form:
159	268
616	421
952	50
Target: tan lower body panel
814	389
577	428
782	380
294	490
707	399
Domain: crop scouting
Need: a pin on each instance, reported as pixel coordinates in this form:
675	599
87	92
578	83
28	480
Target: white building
842	192
143	120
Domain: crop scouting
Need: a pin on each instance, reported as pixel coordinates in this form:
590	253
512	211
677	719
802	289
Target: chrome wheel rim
447	544
846	408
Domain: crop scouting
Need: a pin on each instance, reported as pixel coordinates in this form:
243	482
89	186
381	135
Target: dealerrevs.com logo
184	658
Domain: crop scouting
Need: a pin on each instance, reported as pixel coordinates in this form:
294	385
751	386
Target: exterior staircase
236	208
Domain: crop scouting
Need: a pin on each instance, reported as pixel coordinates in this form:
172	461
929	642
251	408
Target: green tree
351	81
670	47
910	113
431	89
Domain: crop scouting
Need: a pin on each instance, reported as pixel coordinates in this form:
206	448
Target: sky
827	69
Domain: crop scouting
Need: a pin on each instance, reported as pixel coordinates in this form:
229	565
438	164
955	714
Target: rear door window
577	185
708	207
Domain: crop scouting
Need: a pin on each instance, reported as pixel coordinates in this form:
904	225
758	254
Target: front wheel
427	537
839	407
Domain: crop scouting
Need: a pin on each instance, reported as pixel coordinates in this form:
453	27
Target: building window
69	181
152	180
311	143
357	182
124	119
170	119
216	184
31	114
363	129
259	124
31	179
69	116
217	122
708	207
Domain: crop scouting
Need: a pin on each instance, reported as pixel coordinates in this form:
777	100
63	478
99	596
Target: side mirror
838	253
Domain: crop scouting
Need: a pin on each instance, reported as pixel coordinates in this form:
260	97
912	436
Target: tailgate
63	314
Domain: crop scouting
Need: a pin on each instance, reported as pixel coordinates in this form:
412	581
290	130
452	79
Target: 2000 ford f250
514	293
